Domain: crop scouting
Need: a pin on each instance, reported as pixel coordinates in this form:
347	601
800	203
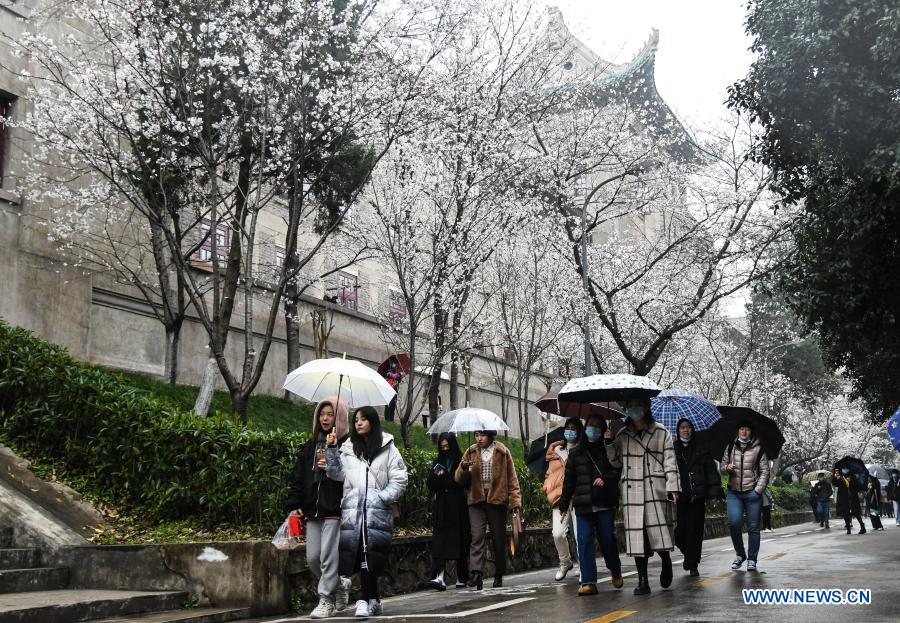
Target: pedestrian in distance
316	499
873	502
488	474
814	505
558	454
590	487
847	504
747	467
700	482
643	452
374	477
893	493
451	534
768	503
822	490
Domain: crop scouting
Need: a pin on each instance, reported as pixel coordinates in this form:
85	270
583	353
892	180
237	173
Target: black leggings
368	581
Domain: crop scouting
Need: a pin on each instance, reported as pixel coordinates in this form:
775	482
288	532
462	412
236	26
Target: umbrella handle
338	399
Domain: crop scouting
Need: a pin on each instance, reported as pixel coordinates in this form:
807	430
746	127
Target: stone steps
71	606
195	615
38	579
21	558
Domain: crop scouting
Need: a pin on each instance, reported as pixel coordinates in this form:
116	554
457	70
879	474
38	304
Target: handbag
518	530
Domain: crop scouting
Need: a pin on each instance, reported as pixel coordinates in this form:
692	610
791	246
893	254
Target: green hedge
150	459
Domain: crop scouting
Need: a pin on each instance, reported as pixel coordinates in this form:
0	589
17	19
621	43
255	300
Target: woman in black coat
847	506
700	481
451	532
873	502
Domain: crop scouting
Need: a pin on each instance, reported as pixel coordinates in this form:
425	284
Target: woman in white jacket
374	476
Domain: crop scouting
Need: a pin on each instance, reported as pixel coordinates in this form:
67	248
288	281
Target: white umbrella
320	378
608	388
467	419
428	370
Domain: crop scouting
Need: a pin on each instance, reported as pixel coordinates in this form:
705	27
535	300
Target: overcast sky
702	48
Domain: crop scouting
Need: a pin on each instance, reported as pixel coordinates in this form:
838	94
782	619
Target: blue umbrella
672	405
893	428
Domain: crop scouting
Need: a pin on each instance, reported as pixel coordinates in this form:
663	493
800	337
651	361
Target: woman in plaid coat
644	452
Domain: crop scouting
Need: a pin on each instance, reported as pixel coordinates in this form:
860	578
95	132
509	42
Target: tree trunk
173	343
239	401
207	387
292	335
454	379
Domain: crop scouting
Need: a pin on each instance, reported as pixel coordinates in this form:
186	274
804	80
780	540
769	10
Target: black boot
694	571
643	587
498	581
476	580
665	576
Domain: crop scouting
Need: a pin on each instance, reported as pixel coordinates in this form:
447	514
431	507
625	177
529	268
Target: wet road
795	557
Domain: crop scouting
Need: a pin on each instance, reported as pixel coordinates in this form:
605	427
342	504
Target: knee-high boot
643	587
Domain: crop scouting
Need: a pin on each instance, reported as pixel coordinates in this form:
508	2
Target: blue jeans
601	524
823	512
740	505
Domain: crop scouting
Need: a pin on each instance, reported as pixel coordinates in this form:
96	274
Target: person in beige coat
650	483
557	455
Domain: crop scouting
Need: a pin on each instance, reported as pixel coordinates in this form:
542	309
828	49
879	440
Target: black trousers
691	517
480	517
848	519
766	518
876	522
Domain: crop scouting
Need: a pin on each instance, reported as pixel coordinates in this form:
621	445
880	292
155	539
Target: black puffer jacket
309	489
700	478
586	463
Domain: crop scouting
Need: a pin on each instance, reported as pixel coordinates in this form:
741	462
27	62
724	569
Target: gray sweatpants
322	538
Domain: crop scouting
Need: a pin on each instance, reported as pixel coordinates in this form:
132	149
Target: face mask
593	433
845	471
570	435
635	413
744	441
685	439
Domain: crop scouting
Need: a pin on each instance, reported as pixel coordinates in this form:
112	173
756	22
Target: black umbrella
537	451
718	436
856	467
550	403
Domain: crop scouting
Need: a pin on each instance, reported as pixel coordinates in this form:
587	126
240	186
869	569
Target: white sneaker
751	565
738	562
342	595
324	610
374	607
563	570
362	608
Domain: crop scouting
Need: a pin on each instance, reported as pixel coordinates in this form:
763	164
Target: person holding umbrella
644	453
450	516
374	477
848	488
590	485
316	499
699	482
557	456
488	474
747	466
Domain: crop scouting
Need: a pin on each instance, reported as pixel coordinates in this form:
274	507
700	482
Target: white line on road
435	615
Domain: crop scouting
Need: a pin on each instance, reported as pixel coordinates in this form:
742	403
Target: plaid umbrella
672	405
893	428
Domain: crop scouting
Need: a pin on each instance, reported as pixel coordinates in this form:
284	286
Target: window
279	258
348	289
223	239
396	305
6	104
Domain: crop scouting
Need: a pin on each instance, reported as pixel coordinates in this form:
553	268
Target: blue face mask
635	413
570	435
845	471
593	433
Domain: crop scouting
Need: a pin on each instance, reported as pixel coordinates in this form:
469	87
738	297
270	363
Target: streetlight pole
588	368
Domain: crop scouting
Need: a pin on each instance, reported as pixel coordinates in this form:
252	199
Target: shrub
150	458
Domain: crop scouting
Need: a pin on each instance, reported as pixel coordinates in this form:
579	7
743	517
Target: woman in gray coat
644	453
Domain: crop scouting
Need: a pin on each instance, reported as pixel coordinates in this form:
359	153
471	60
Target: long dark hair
453	455
366	446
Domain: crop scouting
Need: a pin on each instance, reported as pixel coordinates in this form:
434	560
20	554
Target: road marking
612	616
436	615
776	556
805	532
713	580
